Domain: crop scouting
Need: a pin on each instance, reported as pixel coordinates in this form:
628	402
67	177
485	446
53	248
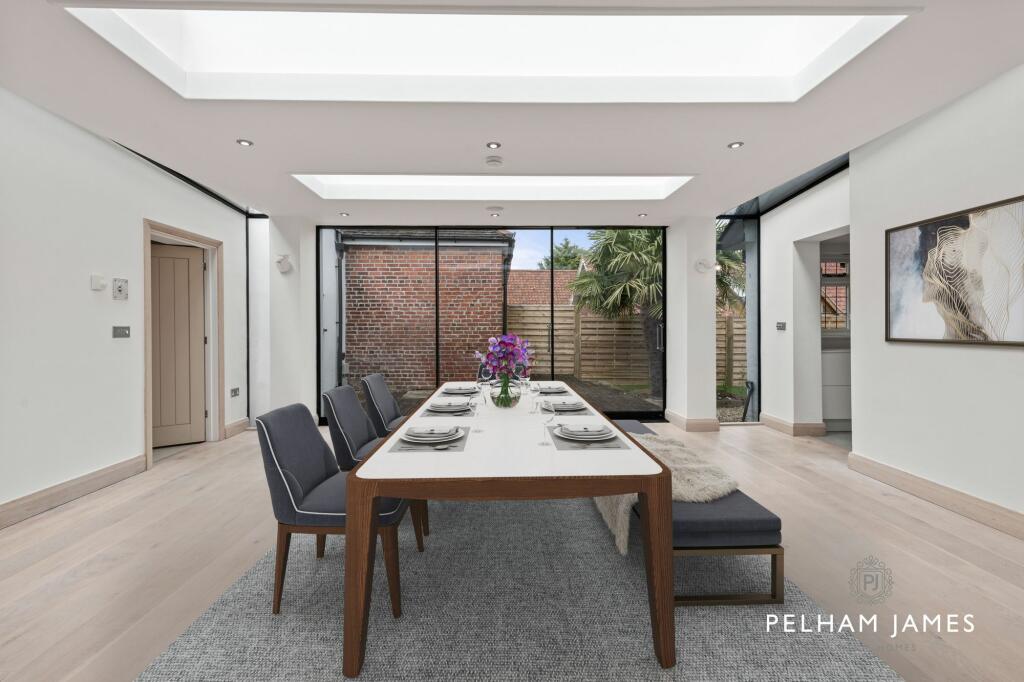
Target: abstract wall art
958	278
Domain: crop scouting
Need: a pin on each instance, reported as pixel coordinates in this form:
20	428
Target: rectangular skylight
493	187
350	56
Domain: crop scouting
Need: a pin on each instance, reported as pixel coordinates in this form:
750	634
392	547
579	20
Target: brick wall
389	301
532	287
471	307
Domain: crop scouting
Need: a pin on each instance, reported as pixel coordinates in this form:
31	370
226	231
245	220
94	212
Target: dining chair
307	492
354	437
384	410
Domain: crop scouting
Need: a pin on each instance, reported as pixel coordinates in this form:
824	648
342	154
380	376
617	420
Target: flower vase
506	396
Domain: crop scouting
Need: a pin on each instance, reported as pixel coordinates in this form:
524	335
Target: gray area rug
510	591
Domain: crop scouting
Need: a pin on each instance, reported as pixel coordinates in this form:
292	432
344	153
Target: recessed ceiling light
488	188
735	145
343	214
244	142
641	215
495	215
493	145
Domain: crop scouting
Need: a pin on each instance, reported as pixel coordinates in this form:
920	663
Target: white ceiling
944	50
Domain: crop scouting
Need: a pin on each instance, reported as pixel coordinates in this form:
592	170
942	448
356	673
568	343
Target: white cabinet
835	384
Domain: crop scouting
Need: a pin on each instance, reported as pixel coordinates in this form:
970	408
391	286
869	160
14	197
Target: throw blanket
693	480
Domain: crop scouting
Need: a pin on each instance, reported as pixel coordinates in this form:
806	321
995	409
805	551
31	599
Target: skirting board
797	429
235	428
36	503
688	424
982	511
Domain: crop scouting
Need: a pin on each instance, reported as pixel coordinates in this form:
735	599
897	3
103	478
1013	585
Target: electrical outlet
781	326
234	393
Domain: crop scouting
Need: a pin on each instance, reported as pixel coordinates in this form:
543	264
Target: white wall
950	414
690	321
790	290
71	204
259	316
285	344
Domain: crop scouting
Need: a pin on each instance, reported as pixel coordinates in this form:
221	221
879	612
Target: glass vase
504	394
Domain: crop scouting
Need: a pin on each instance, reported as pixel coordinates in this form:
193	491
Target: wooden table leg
656	518
360	551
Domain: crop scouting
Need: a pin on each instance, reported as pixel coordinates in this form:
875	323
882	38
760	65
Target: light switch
781	326
234	393
122	332
120	289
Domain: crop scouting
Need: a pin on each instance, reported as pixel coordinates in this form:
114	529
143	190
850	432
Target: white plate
561	407
459	390
459	433
552	390
589	438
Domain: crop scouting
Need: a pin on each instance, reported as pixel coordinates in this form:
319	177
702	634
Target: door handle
661	337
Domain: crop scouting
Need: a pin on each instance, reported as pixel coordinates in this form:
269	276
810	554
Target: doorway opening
184	349
835	341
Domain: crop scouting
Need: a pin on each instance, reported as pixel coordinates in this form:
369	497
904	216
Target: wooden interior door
179	364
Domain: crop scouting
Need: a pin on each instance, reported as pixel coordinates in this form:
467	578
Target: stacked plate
551	389
449	405
584	432
427	435
563	405
460	389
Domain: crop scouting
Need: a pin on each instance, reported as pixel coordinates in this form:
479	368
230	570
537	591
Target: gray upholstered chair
307	491
384	411
354	437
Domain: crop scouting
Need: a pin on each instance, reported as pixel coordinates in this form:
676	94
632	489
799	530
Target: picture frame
957	278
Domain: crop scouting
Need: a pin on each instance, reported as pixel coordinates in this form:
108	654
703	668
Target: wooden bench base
776	596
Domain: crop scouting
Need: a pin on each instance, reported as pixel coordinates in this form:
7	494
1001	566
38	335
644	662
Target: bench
734	525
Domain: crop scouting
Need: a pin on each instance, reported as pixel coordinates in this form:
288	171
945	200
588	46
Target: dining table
507	453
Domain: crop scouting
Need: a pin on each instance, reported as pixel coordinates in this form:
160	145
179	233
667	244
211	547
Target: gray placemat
453	445
566	444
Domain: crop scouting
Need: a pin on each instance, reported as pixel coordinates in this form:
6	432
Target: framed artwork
958	278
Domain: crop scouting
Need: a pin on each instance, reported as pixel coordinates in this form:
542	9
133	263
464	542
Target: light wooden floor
95	589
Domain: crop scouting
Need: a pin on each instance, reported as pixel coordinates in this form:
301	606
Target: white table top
507	443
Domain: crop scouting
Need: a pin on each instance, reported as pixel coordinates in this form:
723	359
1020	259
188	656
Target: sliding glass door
376	309
415	303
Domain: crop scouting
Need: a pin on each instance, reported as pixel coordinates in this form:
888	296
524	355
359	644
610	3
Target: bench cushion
731	521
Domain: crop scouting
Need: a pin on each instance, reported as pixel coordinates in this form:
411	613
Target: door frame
213	291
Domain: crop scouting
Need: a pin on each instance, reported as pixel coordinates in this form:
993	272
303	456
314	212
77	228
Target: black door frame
645	415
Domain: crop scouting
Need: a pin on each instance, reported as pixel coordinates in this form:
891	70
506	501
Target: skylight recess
493	187
343	56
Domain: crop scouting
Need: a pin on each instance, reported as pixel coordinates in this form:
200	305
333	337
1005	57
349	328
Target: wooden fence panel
586	345
739	349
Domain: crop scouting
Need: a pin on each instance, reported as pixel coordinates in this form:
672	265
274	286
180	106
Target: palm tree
621	277
730	276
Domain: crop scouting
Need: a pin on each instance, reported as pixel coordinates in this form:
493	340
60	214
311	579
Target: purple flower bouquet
507	356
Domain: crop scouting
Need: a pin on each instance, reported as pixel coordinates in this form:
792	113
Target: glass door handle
661	337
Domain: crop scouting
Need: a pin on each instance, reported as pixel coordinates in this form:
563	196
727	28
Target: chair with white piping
354	438
307	491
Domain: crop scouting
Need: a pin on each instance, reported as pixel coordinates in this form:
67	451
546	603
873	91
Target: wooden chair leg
426	518
418	509
778	578
321	545
389	543
284	542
